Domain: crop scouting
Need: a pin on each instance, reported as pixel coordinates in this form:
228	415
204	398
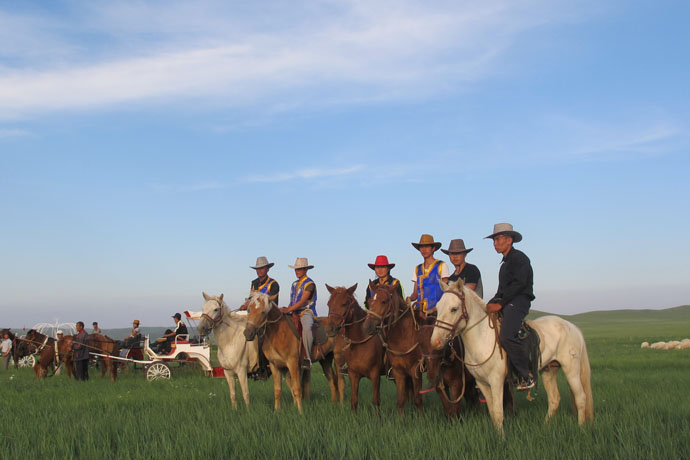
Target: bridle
349	310
452	327
214	322
265	317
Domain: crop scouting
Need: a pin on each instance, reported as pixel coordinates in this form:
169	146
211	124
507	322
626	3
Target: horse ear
351	289
459	284
371	285
444	285
206	296
220	299
330	289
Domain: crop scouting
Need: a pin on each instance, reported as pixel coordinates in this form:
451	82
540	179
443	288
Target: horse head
257	313
340	307
450	312
212	314
381	307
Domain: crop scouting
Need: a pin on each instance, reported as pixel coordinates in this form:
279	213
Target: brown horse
102	344
281	347
363	352
65	354
46	350
391	317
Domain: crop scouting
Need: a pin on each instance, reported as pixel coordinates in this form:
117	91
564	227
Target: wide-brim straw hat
456	247
427	240
381	261
301	262
262	262
506	229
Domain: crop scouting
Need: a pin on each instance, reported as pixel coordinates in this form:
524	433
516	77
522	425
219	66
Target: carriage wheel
27	361
157	371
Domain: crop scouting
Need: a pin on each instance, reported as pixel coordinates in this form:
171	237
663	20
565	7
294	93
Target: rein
342	327
384	327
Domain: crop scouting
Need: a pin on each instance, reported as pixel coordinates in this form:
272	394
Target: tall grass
641	411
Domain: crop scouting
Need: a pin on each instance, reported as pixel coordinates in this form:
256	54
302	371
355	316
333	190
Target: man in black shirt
170	335
513	297
468	273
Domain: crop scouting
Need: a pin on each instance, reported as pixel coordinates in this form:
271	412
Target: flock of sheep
674	344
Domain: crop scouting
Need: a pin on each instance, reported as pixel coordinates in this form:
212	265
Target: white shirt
6	346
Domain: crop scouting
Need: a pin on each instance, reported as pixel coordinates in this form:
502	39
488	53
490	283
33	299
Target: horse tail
585	379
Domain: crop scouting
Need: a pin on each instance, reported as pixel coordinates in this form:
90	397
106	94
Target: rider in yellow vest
303	303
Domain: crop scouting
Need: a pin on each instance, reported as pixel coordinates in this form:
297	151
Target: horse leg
376	386
306	384
401	387
242	377
494	402
230	378
277	382
354	389
295	384
577	393
551	387
416	387
327	366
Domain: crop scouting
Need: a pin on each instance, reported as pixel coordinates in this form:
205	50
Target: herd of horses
54	354
459	350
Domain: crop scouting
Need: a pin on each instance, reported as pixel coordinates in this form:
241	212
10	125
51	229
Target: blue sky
151	151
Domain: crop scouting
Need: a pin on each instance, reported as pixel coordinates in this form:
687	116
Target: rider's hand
493	307
284	310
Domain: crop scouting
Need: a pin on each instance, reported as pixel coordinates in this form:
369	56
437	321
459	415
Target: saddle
318	332
530	344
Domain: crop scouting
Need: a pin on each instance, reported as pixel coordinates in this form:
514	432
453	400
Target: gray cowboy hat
427	240
301	262
456	247
262	262
506	229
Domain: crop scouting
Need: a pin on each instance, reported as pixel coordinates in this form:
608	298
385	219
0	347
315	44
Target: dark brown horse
65	354
363	352
46	349
391	317
281	347
102	344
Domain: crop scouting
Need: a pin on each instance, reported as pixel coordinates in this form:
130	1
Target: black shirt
390	282
515	278
469	275
180	329
273	289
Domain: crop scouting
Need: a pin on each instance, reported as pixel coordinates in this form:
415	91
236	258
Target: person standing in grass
5	350
468	273
81	353
427	289
513	297
382	268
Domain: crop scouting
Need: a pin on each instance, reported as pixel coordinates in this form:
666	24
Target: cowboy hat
301	262
262	262
381	261
427	240
505	229
456	247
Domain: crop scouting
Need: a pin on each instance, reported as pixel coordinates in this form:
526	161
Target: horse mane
473	296
262	298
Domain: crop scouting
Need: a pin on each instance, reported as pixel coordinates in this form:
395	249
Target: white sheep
658	345
672	344
644	345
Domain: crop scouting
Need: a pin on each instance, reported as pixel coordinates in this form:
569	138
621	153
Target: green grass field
642	410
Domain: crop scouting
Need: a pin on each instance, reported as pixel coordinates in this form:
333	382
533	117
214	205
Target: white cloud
340	52
12	132
307	174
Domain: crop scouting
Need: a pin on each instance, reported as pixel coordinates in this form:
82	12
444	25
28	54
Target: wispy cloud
306	174
336	53
13	132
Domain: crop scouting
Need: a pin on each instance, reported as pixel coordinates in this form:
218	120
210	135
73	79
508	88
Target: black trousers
81	369
513	315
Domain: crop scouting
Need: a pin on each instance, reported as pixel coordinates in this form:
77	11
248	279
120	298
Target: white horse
462	312
235	354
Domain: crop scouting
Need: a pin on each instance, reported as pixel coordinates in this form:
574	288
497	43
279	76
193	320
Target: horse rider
303	303
468	273
382	268
165	346
81	353
266	285
513	297
132	339
96	329
427	290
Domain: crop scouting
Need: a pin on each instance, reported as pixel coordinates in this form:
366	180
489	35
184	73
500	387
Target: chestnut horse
65	354
363	352
46	350
395	320
102	344
282	349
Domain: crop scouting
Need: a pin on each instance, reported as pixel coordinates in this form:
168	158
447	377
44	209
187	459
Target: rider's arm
309	292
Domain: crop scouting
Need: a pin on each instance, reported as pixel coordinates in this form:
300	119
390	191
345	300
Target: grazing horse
461	311
102	344
282	349
395	320
363	352
235	354
46	349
